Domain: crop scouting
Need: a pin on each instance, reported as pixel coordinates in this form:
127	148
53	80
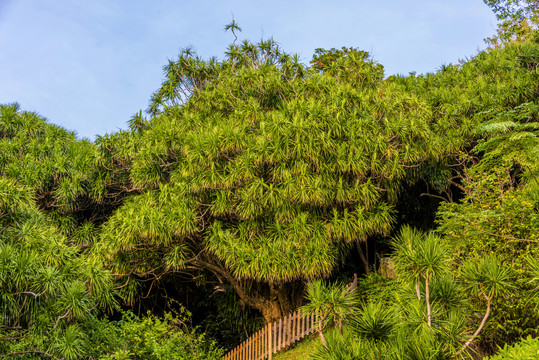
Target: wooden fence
274	336
278	335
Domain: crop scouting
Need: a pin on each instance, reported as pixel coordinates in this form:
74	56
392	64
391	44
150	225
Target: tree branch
458	186
250	300
29	293
487	313
61	317
435	196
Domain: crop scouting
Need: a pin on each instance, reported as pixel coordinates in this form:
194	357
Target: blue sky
89	65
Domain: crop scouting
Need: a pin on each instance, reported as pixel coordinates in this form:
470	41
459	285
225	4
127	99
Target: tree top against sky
88	66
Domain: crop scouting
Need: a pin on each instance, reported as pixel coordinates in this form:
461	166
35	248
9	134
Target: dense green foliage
526	349
150	338
255	175
245	173
425	312
53	288
477	274
518	19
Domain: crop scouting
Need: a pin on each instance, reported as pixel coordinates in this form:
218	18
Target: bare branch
61	317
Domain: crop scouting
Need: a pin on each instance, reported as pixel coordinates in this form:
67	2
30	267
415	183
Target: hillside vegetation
255	184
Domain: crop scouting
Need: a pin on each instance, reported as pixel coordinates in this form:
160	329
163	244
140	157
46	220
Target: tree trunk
320	328
270	310
272	304
364	257
483	322
427	297
272	307
282	293
322	338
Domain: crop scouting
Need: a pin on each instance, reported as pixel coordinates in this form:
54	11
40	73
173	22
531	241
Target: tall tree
264	171
49	285
519	20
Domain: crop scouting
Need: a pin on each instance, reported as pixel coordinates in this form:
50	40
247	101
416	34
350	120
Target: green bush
526	349
151	338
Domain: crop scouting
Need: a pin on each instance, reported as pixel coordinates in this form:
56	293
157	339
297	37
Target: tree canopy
255	165
250	176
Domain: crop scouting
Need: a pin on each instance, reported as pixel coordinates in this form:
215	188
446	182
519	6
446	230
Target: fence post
265	348
255	346
279	334
288	329
300	334
301	326
283	333
270	342
291	327
295	327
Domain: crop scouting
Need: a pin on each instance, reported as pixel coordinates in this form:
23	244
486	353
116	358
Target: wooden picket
278	335
274	337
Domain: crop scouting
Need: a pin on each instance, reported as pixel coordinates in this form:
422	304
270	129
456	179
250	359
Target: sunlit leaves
333	303
46	284
374	322
250	250
519	20
487	277
420	255
258	142
271	152
70	343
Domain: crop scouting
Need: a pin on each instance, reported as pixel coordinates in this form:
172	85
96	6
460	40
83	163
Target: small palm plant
420	257
374	322
486	279
332	302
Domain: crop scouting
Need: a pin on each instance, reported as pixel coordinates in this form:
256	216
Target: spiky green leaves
284	154
275	252
332	304
350	65
419	256
46	284
257	164
156	229
62	174
276	170
519	20
487	277
374	322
